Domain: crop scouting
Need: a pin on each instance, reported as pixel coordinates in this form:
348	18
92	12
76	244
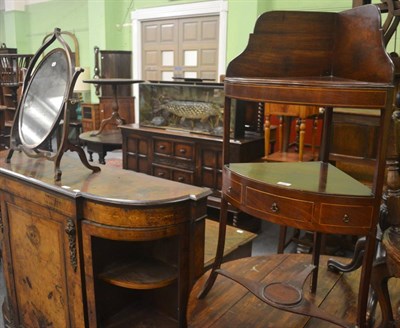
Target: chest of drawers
189	158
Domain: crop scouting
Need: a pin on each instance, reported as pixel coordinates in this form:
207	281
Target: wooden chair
289	111
315	196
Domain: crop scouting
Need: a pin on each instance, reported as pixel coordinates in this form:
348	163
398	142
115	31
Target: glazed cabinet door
41	268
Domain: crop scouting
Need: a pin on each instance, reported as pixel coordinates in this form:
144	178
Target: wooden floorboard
230	305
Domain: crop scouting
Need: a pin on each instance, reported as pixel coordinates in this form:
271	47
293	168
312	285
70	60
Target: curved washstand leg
355	262
220	250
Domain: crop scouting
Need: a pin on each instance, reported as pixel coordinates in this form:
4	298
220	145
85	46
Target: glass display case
189	106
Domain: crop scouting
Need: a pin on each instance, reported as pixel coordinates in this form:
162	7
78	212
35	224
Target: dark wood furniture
301	113
115	117
356	150
112	64
238	243
11	76
385	268
126	108
308	195
90	117
185	157
101	143
93	248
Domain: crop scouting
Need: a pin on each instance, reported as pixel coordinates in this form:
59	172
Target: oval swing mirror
43	99
44	110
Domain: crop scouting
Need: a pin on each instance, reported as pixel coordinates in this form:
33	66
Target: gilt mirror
44	109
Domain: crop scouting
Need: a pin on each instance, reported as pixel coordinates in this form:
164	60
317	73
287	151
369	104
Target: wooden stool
283	110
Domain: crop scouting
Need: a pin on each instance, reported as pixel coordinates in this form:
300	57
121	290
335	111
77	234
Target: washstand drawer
293	209
346	215
233	190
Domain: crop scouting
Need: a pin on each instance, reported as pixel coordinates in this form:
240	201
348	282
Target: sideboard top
111	185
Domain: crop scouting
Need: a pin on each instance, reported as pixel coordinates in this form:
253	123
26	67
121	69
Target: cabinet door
136	152
210	164
41	265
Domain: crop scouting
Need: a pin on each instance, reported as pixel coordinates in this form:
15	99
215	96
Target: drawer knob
274	207
162	147
161	174
182	151
229	189
346	218
181	179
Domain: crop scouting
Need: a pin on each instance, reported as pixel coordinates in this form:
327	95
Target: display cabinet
193	107
90	117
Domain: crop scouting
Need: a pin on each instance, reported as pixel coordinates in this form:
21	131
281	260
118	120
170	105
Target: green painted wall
2	28
241	18
118	35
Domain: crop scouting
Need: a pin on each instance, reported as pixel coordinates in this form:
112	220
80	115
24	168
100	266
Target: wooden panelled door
182	47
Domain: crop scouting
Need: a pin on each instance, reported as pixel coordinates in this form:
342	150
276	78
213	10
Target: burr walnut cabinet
97	249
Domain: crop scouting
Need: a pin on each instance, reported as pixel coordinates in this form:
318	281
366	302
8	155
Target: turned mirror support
44	110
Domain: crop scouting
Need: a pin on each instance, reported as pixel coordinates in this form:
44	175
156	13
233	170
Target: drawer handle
229	189
274	207
181	179
346	218
162	147
161	174
182	151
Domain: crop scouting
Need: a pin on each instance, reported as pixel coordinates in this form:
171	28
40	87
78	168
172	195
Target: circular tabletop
112	81
112	137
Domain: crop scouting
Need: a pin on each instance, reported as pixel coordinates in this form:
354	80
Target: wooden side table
114	83
101	143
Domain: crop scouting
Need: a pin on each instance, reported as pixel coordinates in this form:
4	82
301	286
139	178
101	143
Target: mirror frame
61	121
37	144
